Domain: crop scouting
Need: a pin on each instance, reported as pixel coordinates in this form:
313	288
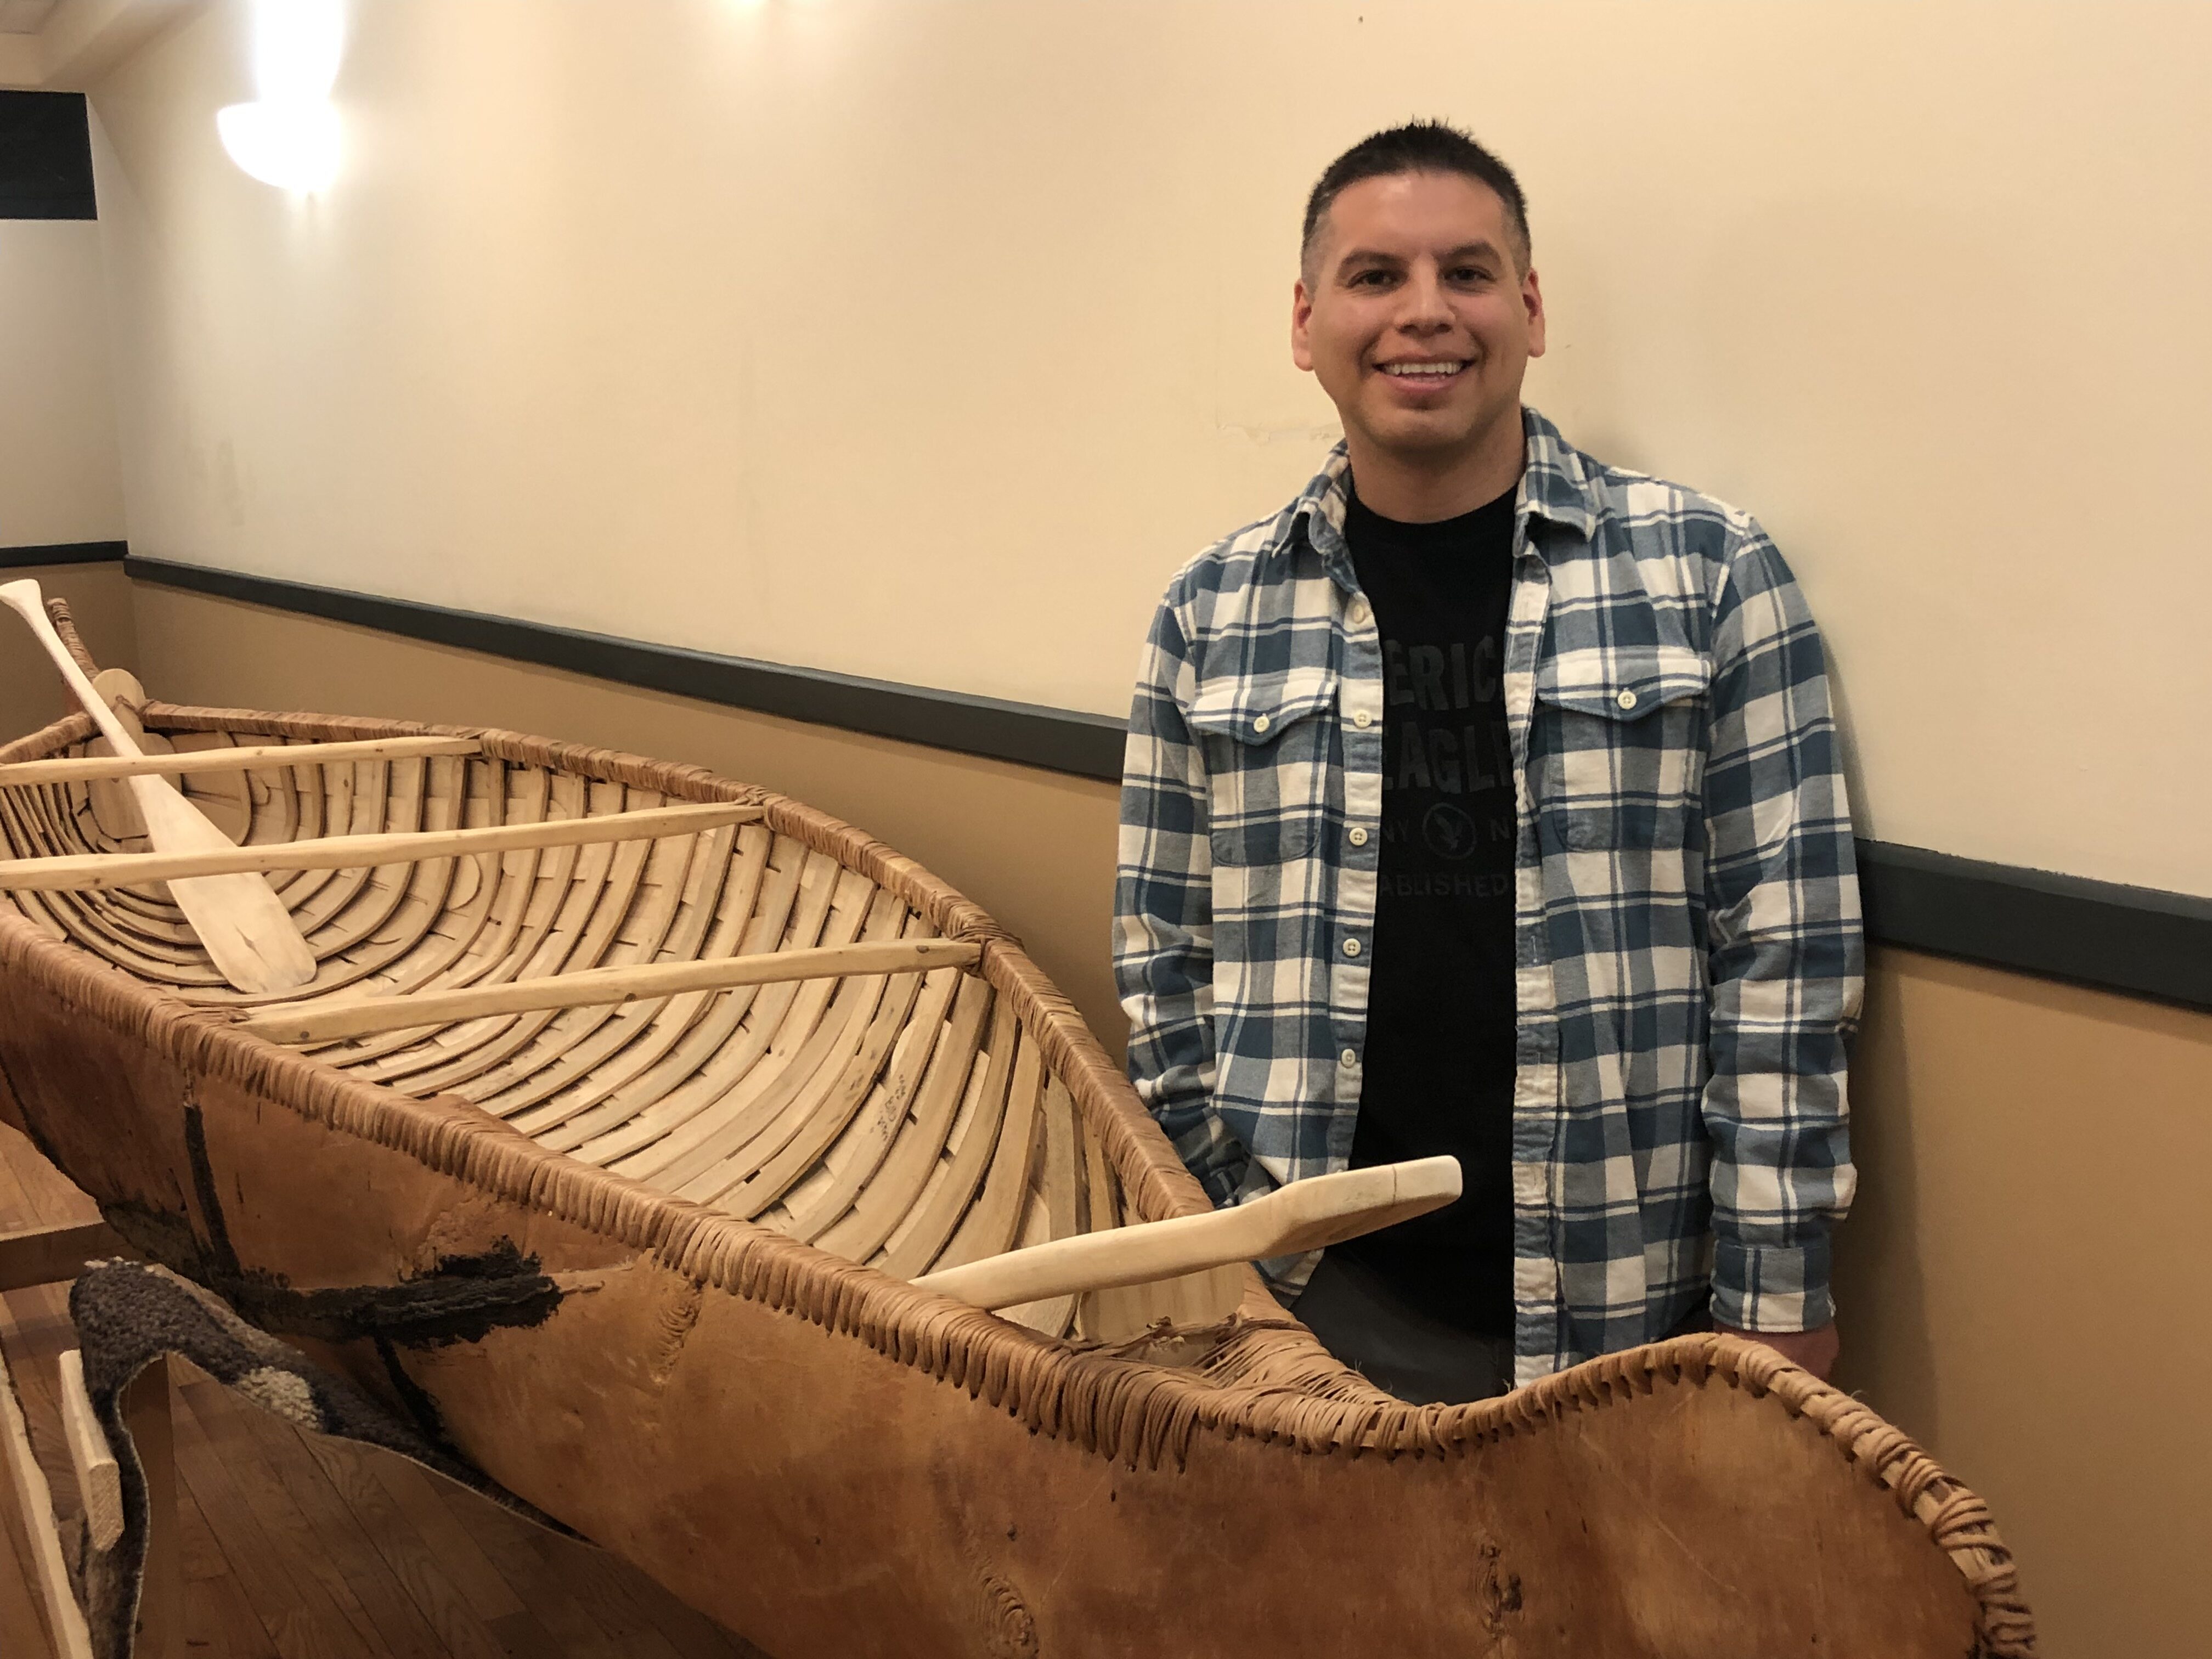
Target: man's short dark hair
1418	146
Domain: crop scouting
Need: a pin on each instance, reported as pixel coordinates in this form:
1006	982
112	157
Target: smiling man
1485	800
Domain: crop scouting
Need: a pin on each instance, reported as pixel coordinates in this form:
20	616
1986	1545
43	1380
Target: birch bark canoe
729	1389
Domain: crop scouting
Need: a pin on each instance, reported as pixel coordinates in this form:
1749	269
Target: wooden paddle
1306	1215
239	918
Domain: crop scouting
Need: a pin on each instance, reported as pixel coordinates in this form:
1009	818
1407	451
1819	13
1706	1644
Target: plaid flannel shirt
1686	925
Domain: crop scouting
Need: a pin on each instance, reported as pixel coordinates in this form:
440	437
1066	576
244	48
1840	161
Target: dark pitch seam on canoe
2140	941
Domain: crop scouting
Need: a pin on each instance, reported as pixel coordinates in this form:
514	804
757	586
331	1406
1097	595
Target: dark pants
1396	1346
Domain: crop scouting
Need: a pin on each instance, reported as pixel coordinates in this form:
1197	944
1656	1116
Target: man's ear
1301	311
1532	297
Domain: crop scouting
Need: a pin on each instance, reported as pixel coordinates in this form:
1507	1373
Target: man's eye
1471	274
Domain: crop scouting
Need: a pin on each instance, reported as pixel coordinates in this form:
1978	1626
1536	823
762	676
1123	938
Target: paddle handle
1306	1215
24	599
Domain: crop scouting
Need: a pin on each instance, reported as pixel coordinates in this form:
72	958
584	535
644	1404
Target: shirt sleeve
1785	953
1164	914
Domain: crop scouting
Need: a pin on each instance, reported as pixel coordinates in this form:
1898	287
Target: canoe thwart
90	871
1306	1215
597	986
83	768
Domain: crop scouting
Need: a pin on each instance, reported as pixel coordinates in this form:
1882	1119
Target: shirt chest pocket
1268	742
1621	733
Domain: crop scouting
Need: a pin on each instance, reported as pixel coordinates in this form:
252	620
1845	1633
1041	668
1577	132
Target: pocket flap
1622	683
1259	709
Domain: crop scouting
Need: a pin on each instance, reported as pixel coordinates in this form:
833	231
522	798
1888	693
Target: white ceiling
24	16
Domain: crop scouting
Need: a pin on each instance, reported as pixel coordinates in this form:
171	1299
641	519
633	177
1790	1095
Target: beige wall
32	694
923	341
58	476
2023	1281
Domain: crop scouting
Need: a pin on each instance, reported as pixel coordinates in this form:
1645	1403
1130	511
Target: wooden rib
535	892
1052	1316
817	1022
494	949
853	1163
670	926
729	1038
98	871
989	1227
1054	1209
205	761
890	1196
587	916
770	1116
778	1170
773	1028
943	1206
574	1117
467	1050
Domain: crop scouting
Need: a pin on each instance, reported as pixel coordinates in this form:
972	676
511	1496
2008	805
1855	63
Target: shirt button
1264	722
1351	947
1626	700
1357	612
1363	720
1349	1058
1359	836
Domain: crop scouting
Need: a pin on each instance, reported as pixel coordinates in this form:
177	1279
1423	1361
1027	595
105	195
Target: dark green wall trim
2134	939
2138	939
18	558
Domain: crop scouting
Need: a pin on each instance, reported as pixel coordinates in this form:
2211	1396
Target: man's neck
1417	489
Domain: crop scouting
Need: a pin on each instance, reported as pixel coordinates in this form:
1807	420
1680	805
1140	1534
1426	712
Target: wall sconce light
290	137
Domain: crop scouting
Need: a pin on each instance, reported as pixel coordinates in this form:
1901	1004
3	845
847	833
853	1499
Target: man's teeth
1408	370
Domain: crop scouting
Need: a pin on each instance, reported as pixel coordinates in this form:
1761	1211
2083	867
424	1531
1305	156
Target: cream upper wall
59	480
924	340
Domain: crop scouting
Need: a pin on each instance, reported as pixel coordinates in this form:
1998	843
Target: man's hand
1815	1350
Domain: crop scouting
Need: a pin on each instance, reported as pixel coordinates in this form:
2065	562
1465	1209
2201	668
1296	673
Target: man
1486	800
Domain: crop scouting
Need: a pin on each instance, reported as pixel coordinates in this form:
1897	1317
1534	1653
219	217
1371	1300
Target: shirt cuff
1771	1287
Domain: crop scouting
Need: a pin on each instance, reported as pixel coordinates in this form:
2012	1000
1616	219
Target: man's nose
1425	310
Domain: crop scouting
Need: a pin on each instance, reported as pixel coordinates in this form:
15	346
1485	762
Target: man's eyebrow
1481	248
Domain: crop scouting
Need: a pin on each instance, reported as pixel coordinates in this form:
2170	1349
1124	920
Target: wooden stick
46	1255
34	1503
1306	1215
147	1416
82	768
247	931
93	870
98	1485
596	987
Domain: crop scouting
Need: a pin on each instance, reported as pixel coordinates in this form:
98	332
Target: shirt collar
1555	486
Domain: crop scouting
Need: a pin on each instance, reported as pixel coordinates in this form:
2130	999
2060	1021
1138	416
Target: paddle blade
245	926
1306	1215
1329	1209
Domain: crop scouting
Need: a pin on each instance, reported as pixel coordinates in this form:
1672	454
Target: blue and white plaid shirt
1686	929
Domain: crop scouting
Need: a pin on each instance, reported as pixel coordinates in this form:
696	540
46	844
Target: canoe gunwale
1121	1410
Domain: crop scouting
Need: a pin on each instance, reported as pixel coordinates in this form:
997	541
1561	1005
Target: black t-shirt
1438	1065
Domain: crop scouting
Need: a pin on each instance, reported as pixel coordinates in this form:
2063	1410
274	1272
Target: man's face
1415	317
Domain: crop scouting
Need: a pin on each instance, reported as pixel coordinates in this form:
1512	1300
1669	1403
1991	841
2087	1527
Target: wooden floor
296	1546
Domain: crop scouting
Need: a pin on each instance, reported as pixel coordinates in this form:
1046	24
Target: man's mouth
1423	373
